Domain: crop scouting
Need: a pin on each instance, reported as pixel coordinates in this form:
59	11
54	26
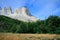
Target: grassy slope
10	36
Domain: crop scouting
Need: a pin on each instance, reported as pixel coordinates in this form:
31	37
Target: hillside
8	24
50	25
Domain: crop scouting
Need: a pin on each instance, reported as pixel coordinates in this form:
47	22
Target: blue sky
39	8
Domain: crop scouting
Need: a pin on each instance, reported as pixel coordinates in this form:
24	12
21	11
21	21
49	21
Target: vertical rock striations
22	14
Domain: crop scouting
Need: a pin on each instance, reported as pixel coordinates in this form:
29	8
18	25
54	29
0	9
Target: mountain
22	14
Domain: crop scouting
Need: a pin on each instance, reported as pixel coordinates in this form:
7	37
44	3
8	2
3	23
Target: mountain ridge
22	14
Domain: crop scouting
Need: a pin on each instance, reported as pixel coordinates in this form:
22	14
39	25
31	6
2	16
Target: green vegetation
50	25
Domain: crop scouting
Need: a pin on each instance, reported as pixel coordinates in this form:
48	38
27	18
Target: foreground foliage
50	25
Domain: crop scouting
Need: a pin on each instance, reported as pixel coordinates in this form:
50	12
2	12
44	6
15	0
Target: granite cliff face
22	14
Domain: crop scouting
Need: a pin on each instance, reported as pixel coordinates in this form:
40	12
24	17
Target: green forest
51	25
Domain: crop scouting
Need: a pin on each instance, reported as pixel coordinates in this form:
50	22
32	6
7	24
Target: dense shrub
50	25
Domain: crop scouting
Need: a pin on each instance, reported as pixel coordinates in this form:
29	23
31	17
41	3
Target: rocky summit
21	14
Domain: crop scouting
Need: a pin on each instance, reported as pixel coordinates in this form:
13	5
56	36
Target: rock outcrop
5	11
22	14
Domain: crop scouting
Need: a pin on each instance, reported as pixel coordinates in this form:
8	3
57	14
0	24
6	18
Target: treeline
51	25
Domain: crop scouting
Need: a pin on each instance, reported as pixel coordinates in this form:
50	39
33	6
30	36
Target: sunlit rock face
0	10
22	14
25	11
5	11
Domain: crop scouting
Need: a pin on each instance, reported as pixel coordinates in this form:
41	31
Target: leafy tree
50	25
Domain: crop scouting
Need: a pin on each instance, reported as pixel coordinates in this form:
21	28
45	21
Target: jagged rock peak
0	8
26	11
22	14
5	10
17	10
8	8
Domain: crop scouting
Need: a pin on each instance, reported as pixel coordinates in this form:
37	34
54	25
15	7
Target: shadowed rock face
5	10
26	11
0	8
22	14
